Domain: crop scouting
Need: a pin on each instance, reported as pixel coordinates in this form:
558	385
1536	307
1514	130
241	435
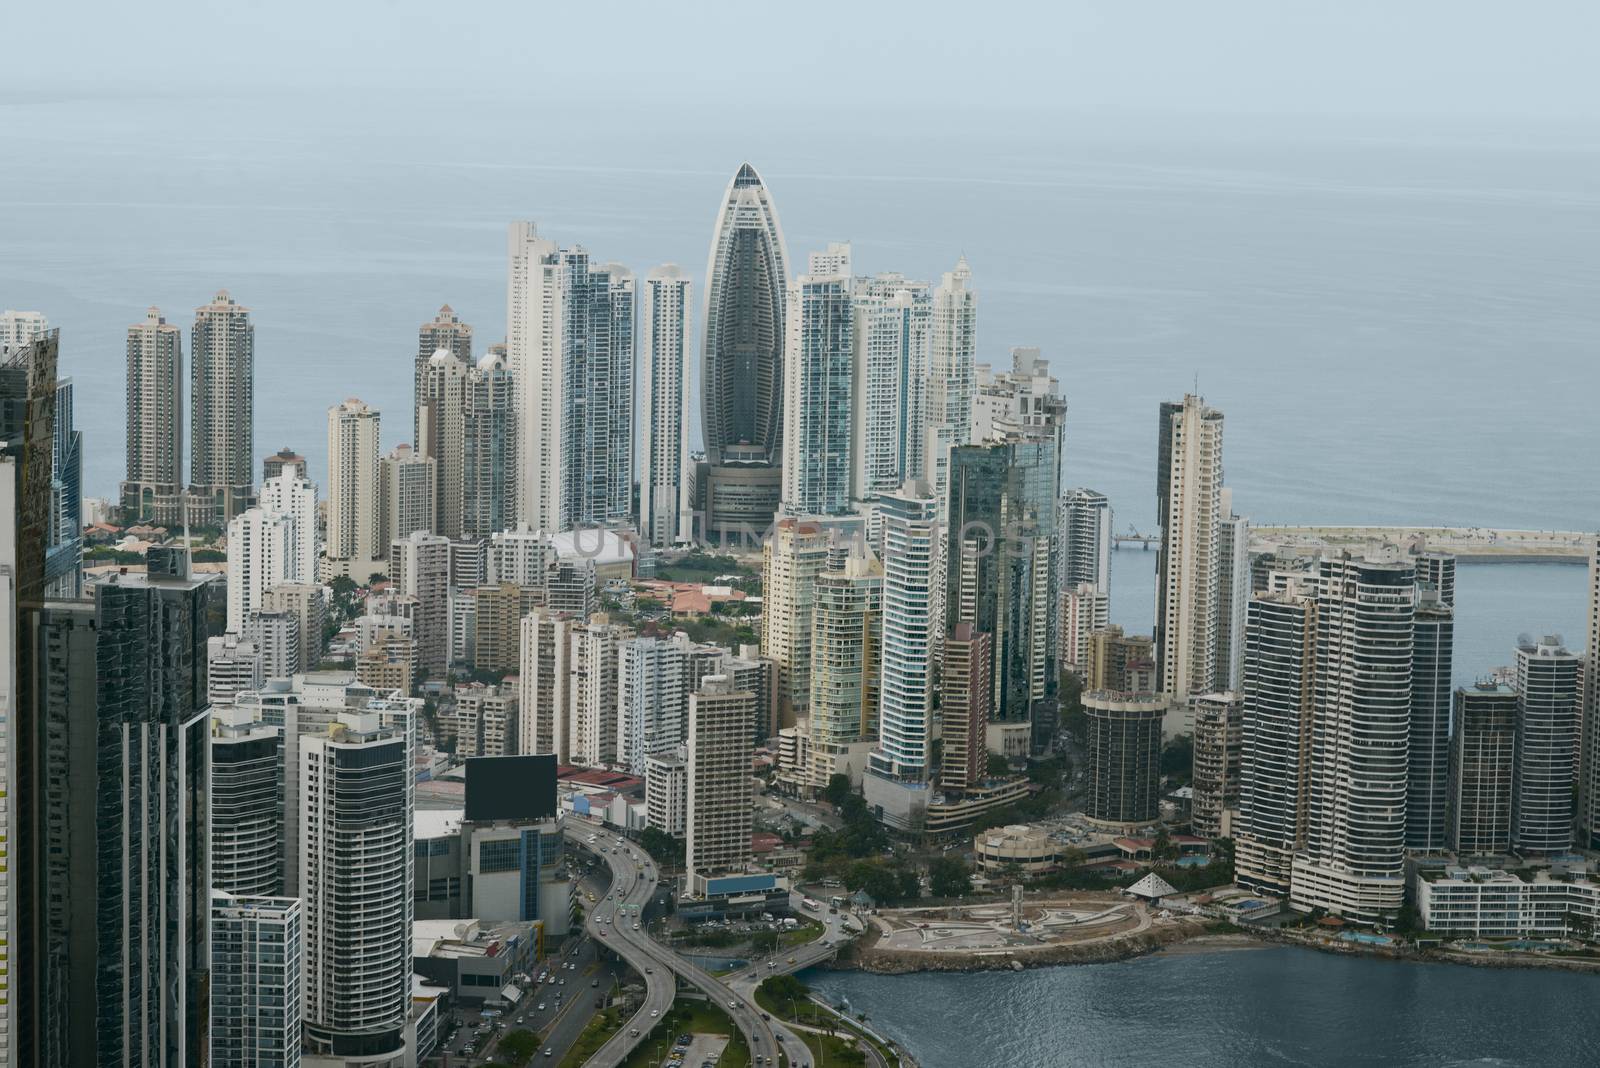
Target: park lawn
806	932
809	1012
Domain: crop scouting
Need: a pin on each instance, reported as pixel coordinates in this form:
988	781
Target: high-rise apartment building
1482	768
520	556
406	504
19	328
666	791
1589	763
792	559
1121	662
1085	528
569	339
1544	789
892	331
446	332
1279	695
1218	743
441	437
1124	744
1187	563
260	545
1428	750
295	496
747	280
952	373
307	602
718	819
232	664
152	490
819	351
652	699
846	657
277	641
419	566
966	691
1233	595
1085	608
355	885
355	513
592	690
1352	864
489	451
910	536
221	412
247	802
664	505
545	724
257	969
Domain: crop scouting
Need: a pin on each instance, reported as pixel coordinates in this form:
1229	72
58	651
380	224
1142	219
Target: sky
1363	57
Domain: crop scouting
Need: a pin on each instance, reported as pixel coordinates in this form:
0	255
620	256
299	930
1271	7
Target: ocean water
1277	1006
1400	323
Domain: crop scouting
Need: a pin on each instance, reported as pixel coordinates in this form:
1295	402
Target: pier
1471	545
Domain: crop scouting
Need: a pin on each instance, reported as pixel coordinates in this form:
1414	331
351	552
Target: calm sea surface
1401	325
1278	1006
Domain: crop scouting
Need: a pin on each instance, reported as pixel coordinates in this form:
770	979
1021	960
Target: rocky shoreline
1185	936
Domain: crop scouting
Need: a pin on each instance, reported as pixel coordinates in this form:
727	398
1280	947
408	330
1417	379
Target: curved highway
635	880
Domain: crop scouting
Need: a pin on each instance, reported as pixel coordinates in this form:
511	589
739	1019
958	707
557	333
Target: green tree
837	790
1163	849
948	877
998	765
1177	758
519	1046
666	849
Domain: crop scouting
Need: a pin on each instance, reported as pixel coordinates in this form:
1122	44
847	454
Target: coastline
1190	938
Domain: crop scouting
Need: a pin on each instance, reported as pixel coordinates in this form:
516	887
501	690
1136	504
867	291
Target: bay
1271	1006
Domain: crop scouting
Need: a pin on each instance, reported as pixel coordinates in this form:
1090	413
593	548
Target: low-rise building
1490	903
1030	849
476	961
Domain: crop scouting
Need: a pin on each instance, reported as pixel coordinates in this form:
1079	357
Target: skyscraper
489	451
442	436
817	358
1352	864
19	328
147	898
1233	595
1124	744
652	699
792	559
355	883
846	654
27	688
1589	764
718	819
222	412
295	496
405	496
355	519
446	332
1279	673
1218	729
892	335
747	280
952	372
570	341
664	505
257	955
1428	750
999	562
153	488
1482	768
1085	532
966	690
246	802
260	545
1187	567
910	533
419	566
1544	789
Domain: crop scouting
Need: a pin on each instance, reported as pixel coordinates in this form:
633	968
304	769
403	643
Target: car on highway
733	1004
654	1013
537	1008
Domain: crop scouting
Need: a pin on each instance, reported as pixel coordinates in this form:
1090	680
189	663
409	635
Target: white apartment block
664	505
1481	902
718	818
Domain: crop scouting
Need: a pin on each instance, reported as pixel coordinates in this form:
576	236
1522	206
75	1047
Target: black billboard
511	788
